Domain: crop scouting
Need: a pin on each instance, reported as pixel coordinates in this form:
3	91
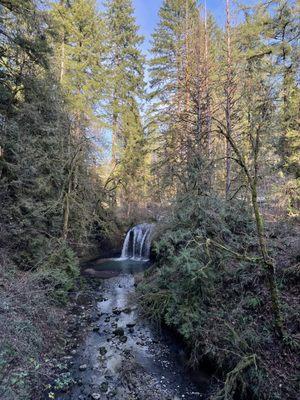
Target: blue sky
147	15
146	12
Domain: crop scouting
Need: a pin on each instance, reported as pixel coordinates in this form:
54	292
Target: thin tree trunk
207	88
187	78
228	98
199	87
66	212
62	54
261	235
114	138
62	60
269	263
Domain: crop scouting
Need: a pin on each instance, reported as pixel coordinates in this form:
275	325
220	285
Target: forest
184	148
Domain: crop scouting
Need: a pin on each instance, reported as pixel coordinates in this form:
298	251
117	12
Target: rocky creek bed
113	353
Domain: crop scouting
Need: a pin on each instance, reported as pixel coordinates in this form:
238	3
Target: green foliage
207	284
125	91
79	49
32	172
125	61
282	31
63	381
168	40
235	379
46	158
59	272
29	327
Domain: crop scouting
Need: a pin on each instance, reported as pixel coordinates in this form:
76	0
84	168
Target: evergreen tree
45	168
283	34
125	69
23	49
32	135
181	92
80	51
170	52
79	54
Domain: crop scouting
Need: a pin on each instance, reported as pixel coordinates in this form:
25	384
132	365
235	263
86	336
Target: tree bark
207	86
269	263
66	212
62	60
228	91
261	235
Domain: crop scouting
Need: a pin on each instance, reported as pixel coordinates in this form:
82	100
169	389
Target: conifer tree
125	71
283	34
79	54
33	136
255	118
170	52
181	91
23	47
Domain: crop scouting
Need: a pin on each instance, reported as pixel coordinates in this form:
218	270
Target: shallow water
139	362
124	265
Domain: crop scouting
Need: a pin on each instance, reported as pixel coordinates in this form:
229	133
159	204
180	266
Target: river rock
84	299
82	367
67	358
131	325
104	387
116	311
96	396
123	339
112	394
102	351
119	332
127	353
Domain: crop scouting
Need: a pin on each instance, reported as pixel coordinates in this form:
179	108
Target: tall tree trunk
187	77
199	86
62	60
62	52
66	212
207	85
228	93
114	137
269	263
261	235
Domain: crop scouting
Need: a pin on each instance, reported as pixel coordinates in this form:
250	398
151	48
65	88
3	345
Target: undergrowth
208	284
32	321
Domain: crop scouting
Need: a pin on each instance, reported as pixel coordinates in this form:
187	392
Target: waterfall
137	242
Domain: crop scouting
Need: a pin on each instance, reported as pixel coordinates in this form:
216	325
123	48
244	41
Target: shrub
208	285
59	272
30	327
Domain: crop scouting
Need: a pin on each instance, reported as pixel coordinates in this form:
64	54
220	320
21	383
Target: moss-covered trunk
268	262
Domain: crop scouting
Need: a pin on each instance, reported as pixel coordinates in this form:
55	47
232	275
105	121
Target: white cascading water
138	242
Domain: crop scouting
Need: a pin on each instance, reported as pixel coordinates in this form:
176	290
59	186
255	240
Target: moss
59	272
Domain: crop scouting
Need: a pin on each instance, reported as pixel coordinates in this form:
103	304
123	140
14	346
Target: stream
122	356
